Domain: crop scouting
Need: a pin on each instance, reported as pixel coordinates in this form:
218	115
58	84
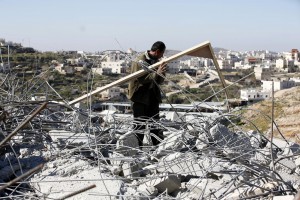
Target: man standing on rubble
144	92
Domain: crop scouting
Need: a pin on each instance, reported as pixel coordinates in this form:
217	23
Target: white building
287	55
262	73
111	93
97	70
278	84
225	63
60	68
238	65
281	64
173	66
296	80
297	63
117	67
102	71
207	62
254	95
286	65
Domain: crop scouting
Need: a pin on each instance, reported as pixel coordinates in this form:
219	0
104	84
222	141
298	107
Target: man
144	92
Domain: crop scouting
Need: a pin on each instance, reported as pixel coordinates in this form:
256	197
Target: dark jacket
144	89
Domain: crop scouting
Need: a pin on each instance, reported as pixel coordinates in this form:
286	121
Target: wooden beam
203	50
28	173
24	122
220	75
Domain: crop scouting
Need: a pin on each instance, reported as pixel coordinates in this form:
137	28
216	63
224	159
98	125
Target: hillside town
280	68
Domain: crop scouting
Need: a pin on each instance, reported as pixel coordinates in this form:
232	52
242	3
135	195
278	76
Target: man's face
159	54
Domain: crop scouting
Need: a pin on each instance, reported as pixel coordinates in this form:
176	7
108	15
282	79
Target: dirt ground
286	114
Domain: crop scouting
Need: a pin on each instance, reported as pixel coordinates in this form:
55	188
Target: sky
98	25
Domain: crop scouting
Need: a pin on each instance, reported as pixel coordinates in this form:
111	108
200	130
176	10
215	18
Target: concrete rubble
198	159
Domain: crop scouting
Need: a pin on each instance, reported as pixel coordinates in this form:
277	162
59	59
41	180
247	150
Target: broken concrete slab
68	138
56	183
168	183
127	144
149	191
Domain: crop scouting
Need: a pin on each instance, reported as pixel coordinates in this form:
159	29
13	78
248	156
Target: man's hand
162	68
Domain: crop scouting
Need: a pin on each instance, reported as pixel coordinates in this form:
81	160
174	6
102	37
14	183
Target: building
278	84
60	68
111	93
254	95
173	66
225	63
102	71
117	67
262	73
295	54
281	64
254	60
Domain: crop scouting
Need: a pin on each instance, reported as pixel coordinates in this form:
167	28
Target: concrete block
252	191
174	141
238	145
148	190
116	170
150	169
255	138
286	165
127	144
175	116
130	170
200	145
282	144
69	138
169	183
180	163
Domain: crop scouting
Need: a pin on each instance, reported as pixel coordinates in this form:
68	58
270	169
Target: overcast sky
97	25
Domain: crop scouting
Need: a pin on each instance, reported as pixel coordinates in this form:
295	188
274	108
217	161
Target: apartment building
278	84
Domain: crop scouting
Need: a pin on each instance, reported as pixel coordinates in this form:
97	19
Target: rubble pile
195	161
89	156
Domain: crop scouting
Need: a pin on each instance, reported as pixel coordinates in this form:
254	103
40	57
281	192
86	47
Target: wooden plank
220	75
201	50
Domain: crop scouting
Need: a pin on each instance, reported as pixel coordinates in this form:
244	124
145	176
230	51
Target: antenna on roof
120	45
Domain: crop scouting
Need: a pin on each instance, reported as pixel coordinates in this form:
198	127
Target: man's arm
149	77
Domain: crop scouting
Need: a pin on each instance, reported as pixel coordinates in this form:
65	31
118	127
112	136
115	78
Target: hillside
286	114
